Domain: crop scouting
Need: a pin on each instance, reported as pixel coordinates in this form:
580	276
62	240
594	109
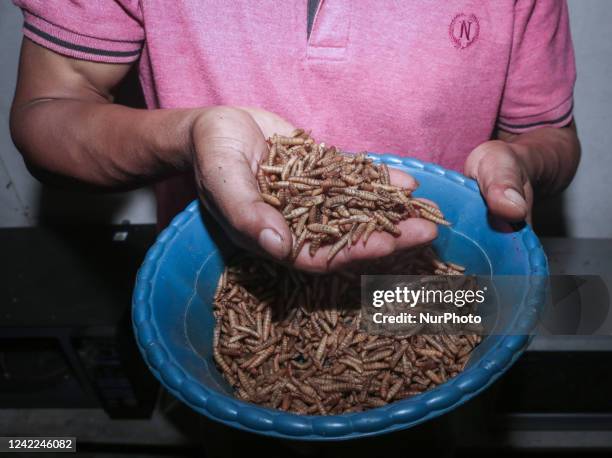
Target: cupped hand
503	180
228	144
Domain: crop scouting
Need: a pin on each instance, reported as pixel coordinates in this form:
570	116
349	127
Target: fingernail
272	242
513	196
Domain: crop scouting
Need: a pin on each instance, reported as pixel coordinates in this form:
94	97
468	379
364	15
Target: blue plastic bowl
173	320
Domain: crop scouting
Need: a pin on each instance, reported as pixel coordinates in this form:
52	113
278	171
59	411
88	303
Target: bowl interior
188	267
191	267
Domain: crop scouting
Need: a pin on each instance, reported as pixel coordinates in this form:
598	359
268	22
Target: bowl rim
397	415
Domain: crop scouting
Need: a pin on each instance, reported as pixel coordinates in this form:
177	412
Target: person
480	87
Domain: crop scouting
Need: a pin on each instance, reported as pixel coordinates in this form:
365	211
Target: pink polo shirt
425	79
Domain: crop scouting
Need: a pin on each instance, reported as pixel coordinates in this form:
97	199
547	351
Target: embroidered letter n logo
464	30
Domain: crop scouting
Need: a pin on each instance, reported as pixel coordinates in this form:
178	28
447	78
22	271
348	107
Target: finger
228	185
501	180
528	193
427	201
414	232
269	123
502	186
402	179
405	180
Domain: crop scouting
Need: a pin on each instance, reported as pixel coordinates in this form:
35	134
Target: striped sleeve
99	31
542	71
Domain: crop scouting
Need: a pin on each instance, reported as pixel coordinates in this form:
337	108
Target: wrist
167	136
196	123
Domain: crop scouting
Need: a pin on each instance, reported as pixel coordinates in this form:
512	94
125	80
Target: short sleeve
95	30
542	71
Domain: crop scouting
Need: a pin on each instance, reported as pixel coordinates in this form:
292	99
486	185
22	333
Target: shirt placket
330	32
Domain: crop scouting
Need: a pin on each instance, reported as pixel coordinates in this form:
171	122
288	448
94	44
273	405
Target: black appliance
65	332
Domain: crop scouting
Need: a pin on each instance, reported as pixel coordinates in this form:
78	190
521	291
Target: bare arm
67	128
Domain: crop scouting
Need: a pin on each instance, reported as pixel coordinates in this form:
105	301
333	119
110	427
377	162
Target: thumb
229	189
501	181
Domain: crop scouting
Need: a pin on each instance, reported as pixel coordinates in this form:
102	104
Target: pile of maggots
292	341
329	197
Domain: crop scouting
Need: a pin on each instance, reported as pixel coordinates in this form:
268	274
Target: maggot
386	224
270	199
324	229
297	212
336	247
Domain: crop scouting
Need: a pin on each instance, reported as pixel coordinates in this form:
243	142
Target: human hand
503	180
228	144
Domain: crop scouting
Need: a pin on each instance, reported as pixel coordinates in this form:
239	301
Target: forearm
550	156
102	144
